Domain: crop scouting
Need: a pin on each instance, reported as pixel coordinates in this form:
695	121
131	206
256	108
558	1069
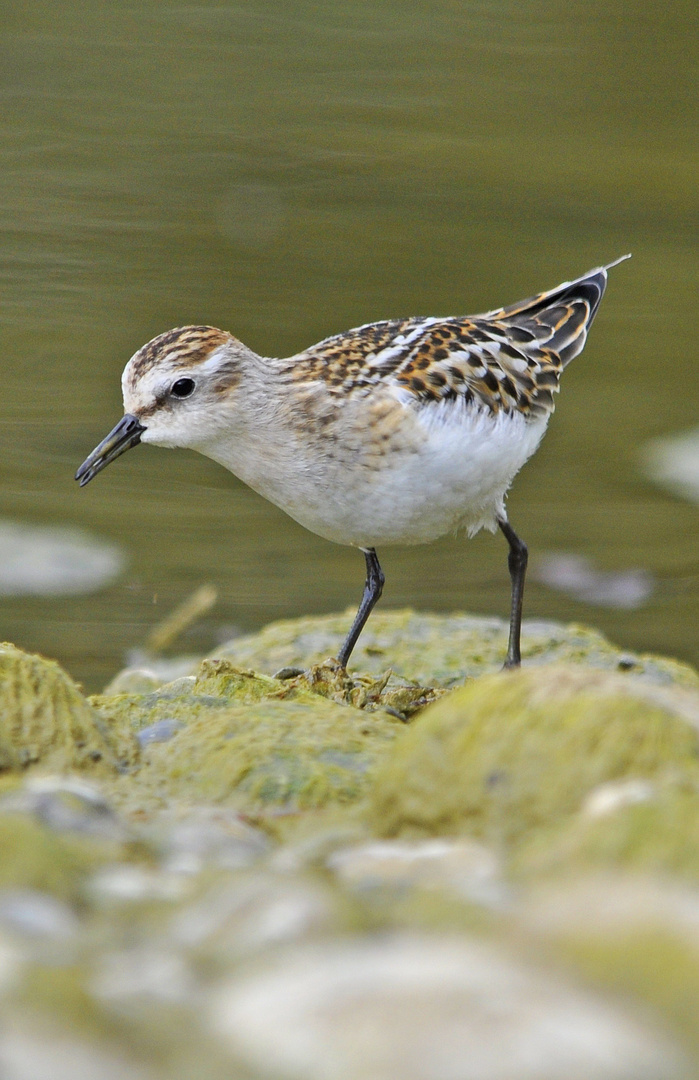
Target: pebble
206	836
413	1007
33	914
161	731
41	1052
464	867
607	798
67	804
147	972
242	916
129	883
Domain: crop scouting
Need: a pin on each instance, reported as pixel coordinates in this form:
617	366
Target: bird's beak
126	434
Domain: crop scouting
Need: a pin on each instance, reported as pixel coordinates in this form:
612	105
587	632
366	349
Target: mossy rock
632	934
299	755
253	741
33	856
439	650
659	833
44	719
512	757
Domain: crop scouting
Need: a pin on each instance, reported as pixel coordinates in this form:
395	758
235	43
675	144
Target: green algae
45	719
651	964
511	756
439	650
217	685
293	754
660	834
255	740
35	857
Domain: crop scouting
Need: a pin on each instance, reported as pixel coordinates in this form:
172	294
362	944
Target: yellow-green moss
44	718
34	857
515	753
439	650
651	964
659	834
218	684
298	754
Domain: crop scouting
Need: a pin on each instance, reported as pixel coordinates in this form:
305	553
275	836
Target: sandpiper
394	432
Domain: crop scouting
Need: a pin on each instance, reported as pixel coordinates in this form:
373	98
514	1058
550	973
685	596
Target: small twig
174	624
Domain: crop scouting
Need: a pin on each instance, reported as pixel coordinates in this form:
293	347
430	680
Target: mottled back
509	359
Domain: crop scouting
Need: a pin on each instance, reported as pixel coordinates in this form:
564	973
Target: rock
31	1050
146	972
343	893
67	804
464	868
193	838
36	915
160	731
412	1007
252	741
45	719
146	673
134	680
240	917
511	758
632	934
37	858
126	883
436	650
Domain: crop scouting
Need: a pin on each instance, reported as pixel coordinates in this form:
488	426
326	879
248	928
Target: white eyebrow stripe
212	362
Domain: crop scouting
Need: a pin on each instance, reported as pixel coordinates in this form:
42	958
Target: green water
289	170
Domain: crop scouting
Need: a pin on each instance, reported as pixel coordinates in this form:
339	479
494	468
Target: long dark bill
126	434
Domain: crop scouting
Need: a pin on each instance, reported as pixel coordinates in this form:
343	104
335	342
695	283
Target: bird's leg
373	587
517	563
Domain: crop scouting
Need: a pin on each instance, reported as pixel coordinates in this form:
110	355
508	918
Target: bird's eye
182	388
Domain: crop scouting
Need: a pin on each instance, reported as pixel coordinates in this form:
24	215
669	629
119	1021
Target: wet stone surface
293	878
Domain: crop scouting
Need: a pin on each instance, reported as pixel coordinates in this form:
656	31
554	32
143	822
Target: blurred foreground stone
232	875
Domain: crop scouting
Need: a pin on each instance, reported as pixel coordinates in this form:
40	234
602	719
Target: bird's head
178	390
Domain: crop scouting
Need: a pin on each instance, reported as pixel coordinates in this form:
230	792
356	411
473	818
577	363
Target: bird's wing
507	359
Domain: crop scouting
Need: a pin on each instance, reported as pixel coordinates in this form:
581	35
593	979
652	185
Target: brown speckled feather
507	359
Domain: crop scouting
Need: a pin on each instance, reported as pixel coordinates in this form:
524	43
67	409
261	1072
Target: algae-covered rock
438	650
253	740
44	718
413	1006
634	934
294	754
512	758
35	857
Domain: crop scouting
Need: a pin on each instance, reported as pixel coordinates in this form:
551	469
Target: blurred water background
289	170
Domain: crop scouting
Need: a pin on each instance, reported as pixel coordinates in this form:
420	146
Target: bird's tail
559	318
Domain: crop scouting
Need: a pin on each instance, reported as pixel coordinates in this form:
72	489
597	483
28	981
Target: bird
397	431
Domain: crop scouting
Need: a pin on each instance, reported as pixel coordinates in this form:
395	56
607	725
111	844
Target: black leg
517	563
373	587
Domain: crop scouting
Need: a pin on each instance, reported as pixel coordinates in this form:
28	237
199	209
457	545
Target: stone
415	1007
45	719
251	741
435	650
463	867
511	759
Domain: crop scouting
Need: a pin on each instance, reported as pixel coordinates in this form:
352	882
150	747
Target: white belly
453	471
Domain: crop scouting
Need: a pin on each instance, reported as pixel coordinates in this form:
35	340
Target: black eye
182	388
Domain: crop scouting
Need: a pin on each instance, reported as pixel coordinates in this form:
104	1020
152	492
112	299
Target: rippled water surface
286	171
